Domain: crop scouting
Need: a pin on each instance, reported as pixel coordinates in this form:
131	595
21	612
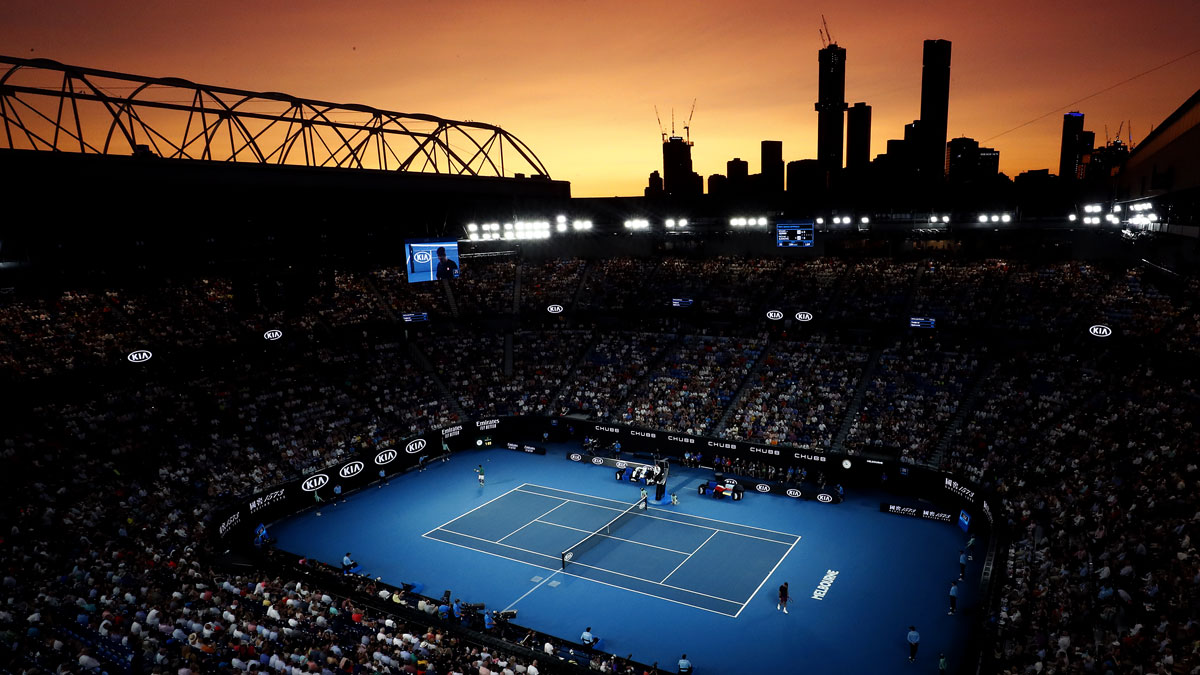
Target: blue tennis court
700	577
703	563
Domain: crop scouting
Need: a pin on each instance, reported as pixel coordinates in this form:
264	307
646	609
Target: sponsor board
139	356
555	309
598	461
422	257
825	584
1100	330
264	501
825	498
351	470
273	334
846	464
230	523
576	457
451	432
386	456
763	451
762	487
483	425
807	457
644	434
804	316
414	446
774	315
794	493
916	512
719	444
611	430
681	439
959	489
315	482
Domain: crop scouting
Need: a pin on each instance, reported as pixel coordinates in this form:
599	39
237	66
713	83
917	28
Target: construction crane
826	38
687	128
661	130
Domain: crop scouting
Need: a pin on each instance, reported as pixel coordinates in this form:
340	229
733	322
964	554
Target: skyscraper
1076	145
935	108
831	106
738	172
858	137
772	167
677	167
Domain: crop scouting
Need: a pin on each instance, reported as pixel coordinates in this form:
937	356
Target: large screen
431	259
794	234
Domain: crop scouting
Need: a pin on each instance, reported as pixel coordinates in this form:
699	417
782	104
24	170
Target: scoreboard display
797	234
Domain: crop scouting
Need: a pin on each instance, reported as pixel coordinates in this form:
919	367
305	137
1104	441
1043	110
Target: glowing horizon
579	83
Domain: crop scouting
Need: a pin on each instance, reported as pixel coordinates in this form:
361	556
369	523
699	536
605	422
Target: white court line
677	522
514	602
657	583
785	555
689	556
651	508
530	522
609	536
483	505
595	581
515	548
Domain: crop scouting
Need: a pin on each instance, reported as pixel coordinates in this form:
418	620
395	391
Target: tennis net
590	540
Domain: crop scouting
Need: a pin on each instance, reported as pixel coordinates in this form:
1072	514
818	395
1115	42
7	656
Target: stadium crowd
1092	451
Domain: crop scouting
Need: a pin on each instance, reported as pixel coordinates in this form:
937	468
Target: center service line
514	602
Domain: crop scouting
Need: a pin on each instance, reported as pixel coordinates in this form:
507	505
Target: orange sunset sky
578	80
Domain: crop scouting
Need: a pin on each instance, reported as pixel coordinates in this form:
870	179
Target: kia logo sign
845	464
803	316
351	469
597	461
554	309
824	498
793	492
385	457
273	334
774	315
1098	330
314	482
762	487
621	465
139	356
423	257
576	457
415	446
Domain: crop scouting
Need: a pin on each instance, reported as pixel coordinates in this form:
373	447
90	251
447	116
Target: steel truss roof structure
48	106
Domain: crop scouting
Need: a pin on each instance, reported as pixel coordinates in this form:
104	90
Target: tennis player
783	598
479	471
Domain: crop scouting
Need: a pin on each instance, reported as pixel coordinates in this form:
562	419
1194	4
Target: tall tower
772	167
677	167
858	137
935	107
1075	144
831	106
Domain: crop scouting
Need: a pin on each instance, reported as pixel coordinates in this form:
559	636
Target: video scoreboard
797	234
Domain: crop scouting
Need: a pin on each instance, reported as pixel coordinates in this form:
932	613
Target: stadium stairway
551	407
423	363
719	431
516	305
508	353
856	403
583	277
387	307
449	297
986	372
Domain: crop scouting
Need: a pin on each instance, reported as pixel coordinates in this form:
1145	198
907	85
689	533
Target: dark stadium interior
195	351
